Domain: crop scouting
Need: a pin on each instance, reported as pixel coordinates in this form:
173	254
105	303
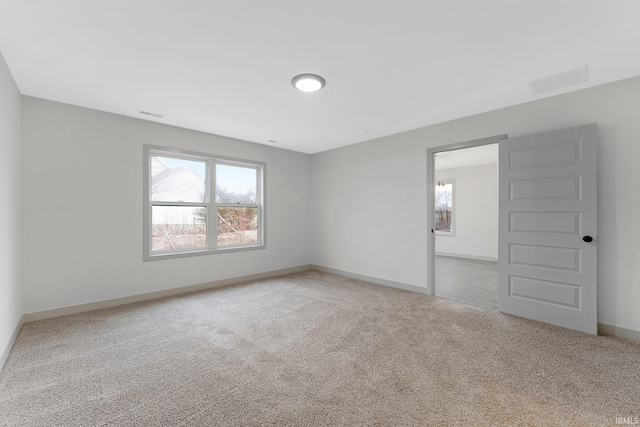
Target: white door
548	254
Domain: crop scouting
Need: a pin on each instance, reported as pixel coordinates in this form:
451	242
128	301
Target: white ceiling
225	67
473	156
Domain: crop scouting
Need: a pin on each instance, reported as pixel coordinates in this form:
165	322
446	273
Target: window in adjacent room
197	204
444	208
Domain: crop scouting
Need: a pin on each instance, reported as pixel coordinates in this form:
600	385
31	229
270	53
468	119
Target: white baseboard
82	308
617	331
5	352
384	282
468	256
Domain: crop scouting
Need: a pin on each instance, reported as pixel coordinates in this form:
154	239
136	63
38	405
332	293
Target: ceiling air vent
146	113
560	80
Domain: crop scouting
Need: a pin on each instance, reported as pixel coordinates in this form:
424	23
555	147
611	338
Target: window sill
200	252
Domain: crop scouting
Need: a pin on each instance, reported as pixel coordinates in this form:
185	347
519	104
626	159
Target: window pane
178	227
177	180
444	208
235	184
237	226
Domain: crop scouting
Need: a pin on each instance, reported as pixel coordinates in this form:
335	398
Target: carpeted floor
313	349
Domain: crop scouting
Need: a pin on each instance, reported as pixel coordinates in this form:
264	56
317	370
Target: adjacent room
466	225
299	213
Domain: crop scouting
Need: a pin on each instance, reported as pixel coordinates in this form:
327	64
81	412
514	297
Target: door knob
588	239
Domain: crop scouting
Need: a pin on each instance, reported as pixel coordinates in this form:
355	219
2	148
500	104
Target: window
197	204
444	208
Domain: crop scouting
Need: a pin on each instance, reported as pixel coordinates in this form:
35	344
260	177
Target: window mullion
160	203
237	205
212	209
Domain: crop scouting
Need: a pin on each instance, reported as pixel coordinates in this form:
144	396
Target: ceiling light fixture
308	82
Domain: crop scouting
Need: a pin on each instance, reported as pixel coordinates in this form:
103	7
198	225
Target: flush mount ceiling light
308	82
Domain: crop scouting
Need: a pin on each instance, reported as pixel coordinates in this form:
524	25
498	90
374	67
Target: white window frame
209	203
451	233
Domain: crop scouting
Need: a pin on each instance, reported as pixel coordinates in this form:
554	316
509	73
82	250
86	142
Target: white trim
468	256
81	308
7	350
619	332
376	280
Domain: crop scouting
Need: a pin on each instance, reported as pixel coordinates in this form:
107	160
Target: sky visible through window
232	178
236	180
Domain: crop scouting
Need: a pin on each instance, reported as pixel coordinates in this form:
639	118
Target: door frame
431	241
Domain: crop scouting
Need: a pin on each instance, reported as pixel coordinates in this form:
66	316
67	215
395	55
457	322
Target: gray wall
10	206
363	194
475	212
82	206
82	234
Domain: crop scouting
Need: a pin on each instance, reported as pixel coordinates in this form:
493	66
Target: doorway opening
547	269
466	225
464	210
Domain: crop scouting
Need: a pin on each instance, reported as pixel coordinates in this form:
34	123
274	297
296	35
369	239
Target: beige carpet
313	349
